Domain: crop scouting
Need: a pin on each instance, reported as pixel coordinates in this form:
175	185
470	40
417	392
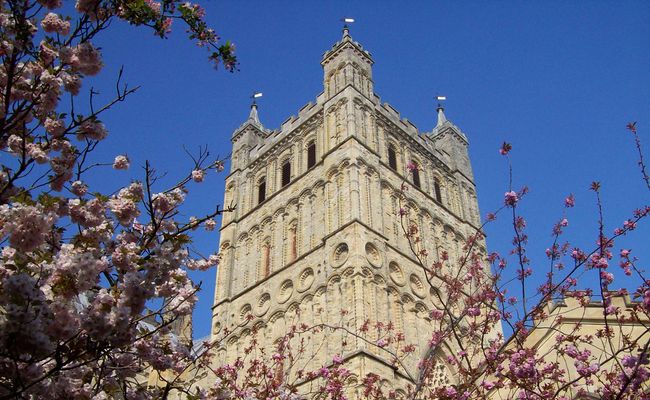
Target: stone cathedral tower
317	227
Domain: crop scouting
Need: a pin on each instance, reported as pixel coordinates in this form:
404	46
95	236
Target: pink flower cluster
27	227
511	198
121	162
52	23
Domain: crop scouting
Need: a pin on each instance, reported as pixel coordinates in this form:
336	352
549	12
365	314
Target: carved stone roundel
263	304
305	279
373	255
245	311
396	274
285	292
340	255
417	286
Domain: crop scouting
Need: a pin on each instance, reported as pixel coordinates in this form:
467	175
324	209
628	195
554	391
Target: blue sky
559	81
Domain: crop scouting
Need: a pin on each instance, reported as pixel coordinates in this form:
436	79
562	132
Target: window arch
415	170
437	191
311	154
286	173
261	190
392	157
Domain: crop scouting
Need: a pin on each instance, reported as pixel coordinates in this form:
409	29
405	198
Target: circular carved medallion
285	292
417	286
305	279
373	255
396	274
340	255
263	304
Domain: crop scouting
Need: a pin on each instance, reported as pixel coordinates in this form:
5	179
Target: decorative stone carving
340	255
396	274
285	291
305	279
263	304
417	286
373	255
245	311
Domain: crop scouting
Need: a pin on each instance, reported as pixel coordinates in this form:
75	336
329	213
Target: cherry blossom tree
90	282
479	303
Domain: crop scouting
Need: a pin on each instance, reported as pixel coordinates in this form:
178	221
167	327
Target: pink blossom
607	277
36	153
210	224
124	209
90	7
52	23
86	59
629	225
47	54
121	162
90	129
569	201
411	166
197	175
505	148
474	311
79	188
487	385
26	226
155	6
71	82
165	202
511	198
381	342
55	127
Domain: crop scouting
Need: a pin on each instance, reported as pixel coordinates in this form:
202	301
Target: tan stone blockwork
328	247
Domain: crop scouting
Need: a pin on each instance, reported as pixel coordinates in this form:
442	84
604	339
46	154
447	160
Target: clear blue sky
559	81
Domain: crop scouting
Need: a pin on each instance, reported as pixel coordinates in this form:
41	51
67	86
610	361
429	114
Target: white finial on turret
253	114
346	28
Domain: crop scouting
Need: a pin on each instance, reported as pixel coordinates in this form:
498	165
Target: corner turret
449	138
249	135
347	64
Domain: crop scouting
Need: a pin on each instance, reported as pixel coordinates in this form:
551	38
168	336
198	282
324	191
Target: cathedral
317	237
337	214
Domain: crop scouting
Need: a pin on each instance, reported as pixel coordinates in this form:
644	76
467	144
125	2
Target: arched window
286	173
436	188
261	190
392	157
415	170
311	155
